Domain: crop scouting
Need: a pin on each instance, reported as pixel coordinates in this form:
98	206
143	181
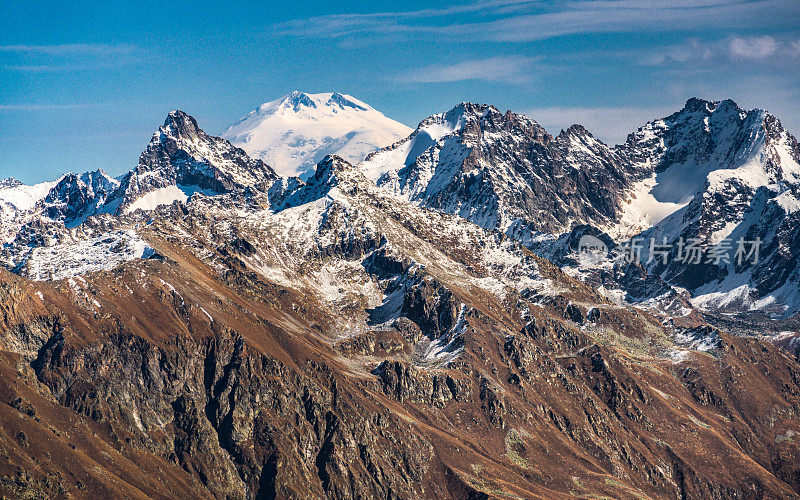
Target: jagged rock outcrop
503	171
181	157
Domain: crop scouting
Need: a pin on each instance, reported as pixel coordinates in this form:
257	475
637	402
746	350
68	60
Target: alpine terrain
709	172
415	316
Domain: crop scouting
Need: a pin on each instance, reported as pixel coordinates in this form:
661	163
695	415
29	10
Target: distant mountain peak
575	130
698	104
695	103
179	124
295	132
297	99
465	112
9	183
78	196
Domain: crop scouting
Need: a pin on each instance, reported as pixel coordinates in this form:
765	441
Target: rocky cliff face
738	173
76	197
182	156
504	171
179	162
330	339
709	173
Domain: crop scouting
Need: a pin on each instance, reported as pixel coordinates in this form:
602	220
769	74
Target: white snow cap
292	134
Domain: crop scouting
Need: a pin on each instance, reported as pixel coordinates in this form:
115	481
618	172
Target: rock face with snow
21	196
16	198
504	171
736	172
182	159
295	132
718	179
709	172
76	197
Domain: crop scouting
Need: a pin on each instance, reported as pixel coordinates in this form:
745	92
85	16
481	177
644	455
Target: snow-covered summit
9	183
22	196
501	171
714	154
182	159
685	147
738	173
294	133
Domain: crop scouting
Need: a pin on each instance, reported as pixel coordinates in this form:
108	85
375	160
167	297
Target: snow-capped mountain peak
295	132
501	171
22	196
179	125
9	183
309	105
182	159
77	196
704	136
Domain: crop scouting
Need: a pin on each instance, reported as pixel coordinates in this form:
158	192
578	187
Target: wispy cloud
337	25
47	107
526	21
71	49
610	124
753	48
65	57
512	69
732	49
40	68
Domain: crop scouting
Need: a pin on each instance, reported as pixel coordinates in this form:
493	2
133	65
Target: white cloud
609	124
732	49
337	25
507	69
753	48
525	21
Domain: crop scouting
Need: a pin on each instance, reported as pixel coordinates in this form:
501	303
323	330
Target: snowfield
24	197
294	133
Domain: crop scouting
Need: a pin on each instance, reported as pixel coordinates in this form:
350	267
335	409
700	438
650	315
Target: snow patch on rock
101	253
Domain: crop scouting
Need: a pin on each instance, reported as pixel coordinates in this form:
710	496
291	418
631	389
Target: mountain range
710	171
421	321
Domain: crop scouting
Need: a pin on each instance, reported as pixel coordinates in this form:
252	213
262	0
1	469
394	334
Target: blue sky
83	86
